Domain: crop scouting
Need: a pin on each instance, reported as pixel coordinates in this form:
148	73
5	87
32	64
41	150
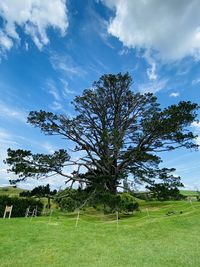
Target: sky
50	51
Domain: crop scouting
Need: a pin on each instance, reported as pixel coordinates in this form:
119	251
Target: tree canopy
119	134
40	191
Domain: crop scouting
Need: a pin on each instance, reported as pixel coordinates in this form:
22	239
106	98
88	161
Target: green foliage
71	199
39	191
122	202
19	205
68	204
164	191
127	203
25	164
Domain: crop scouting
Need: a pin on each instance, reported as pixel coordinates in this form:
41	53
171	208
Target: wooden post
191	204
50	216
8	209
117	215
35	211
147	212
27	212
77	218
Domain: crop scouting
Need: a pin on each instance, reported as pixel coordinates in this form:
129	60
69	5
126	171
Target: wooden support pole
147	210
77	218
191	204
8	209
117	215
50	216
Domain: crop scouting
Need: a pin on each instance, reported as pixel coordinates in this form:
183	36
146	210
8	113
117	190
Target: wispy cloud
66	91
123	51
7	139
53	90
49	147
196	125
6	111
174	94
195	81
97	25
56	106
151	71
153	87
59	91
66	65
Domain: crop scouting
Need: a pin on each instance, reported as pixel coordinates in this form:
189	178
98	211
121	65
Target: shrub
123	202
19	205
68	204
70	199
127	203
164	191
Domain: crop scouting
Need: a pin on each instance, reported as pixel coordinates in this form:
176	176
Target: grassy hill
148	238
189	193
10	191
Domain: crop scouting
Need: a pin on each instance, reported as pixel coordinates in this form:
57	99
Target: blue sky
51	51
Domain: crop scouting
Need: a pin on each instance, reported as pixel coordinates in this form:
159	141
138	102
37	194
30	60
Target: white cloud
56	106
151	71
123	51
66	65
6	140
49	147
5	42
53	90
171	28
9	112
66	91
152	87
174	94
196	125
196	81
34	17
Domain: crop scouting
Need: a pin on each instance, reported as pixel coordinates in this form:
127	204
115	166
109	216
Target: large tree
119	134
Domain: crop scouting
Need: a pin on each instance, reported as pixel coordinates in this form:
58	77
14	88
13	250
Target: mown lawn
149	238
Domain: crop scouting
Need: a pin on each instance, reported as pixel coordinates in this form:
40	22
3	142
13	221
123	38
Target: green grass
189	193
156	240
10	191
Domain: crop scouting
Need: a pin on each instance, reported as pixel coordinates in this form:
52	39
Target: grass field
150	238
10	191
189	193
